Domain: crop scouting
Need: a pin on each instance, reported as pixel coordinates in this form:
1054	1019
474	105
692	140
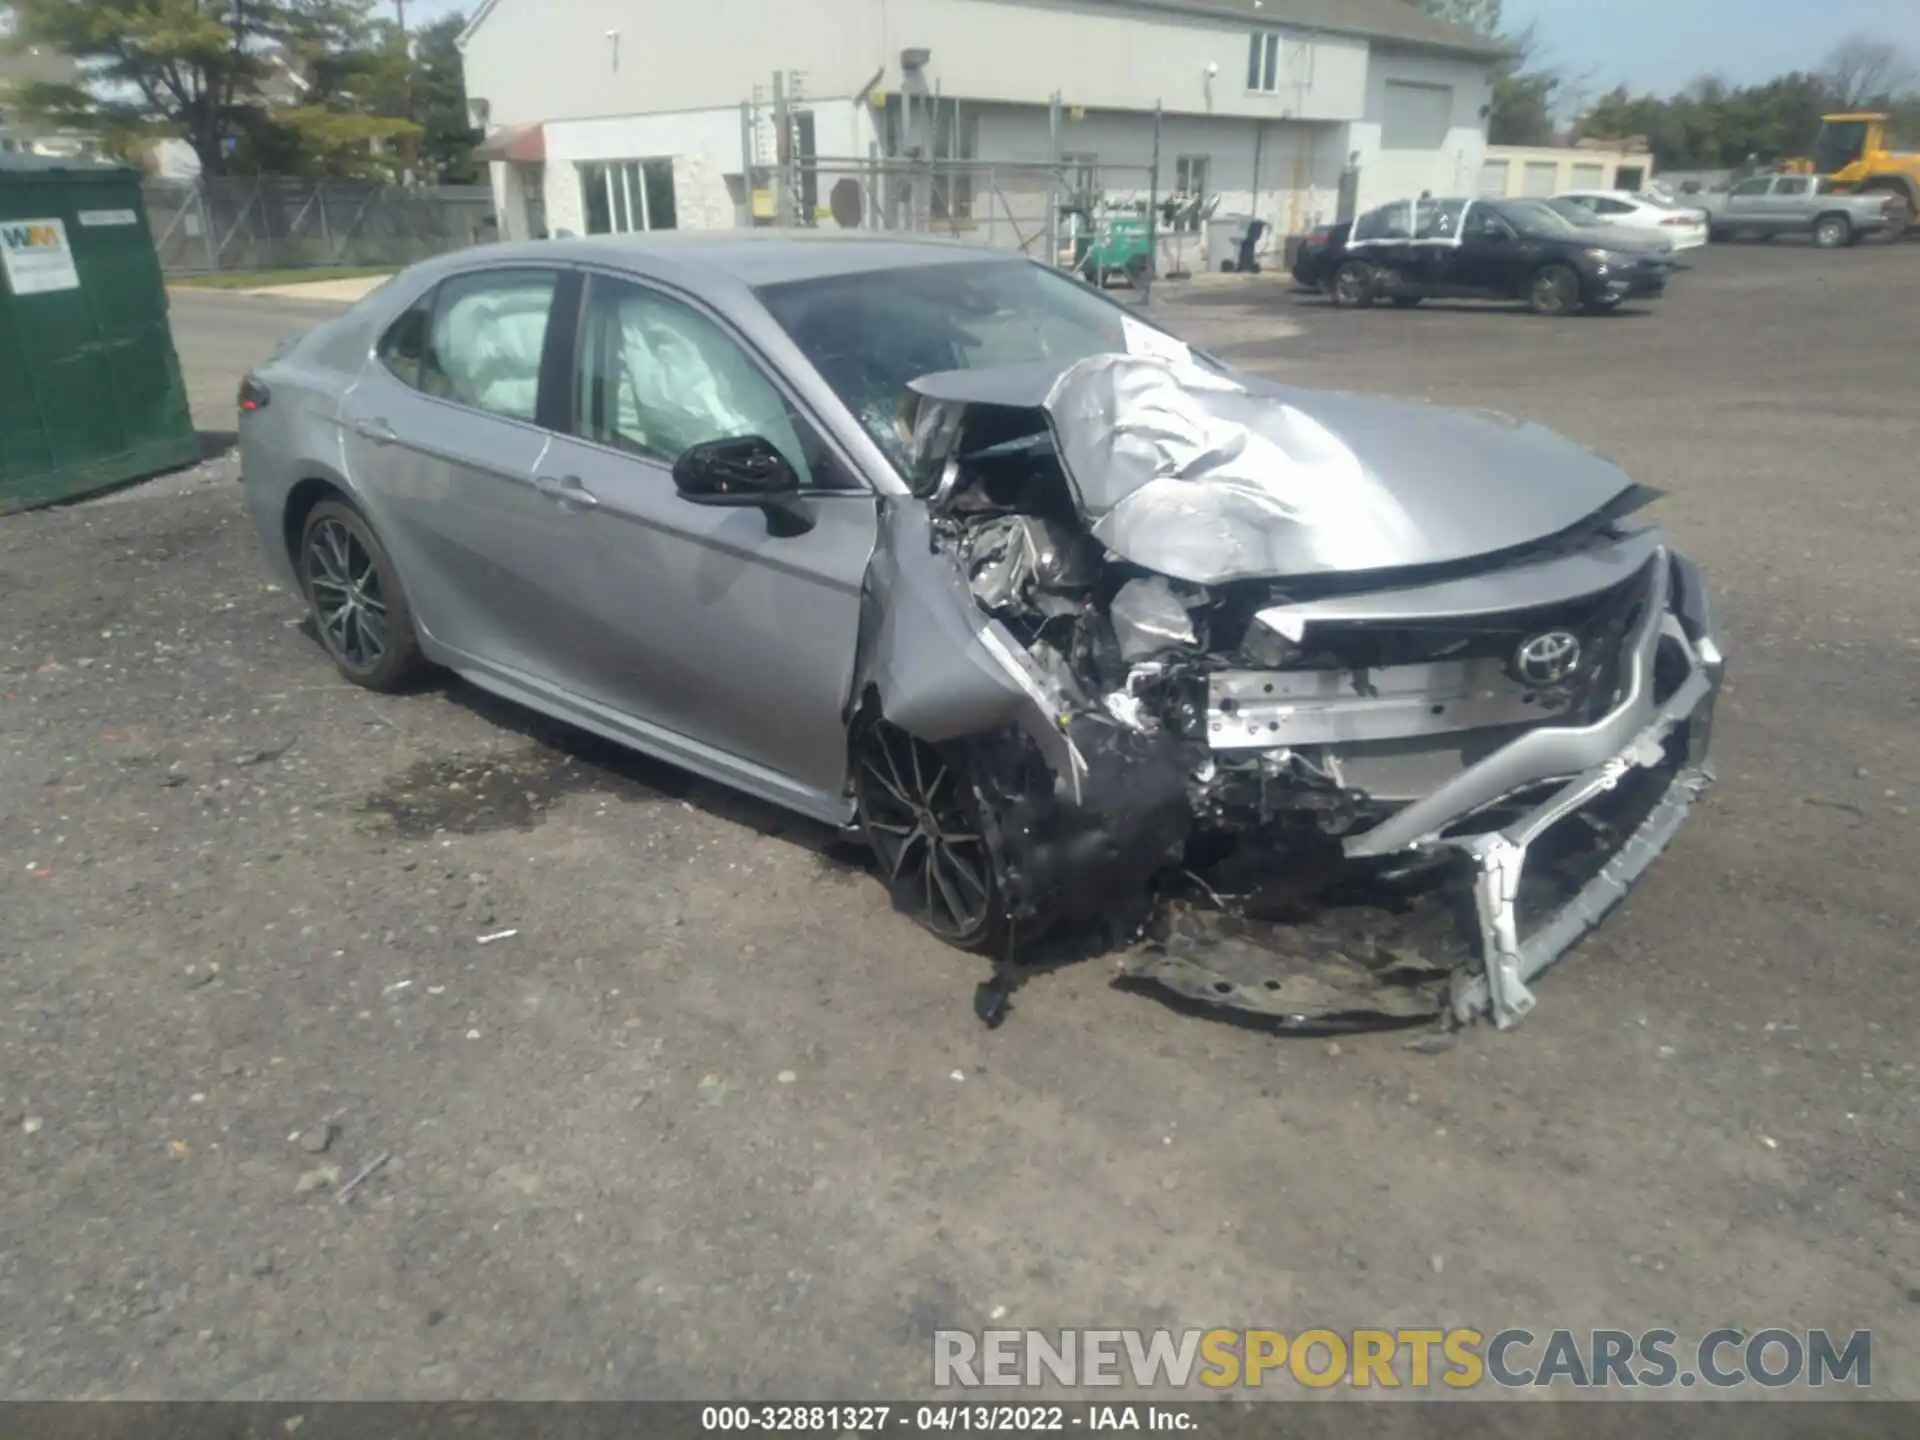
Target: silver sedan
956	552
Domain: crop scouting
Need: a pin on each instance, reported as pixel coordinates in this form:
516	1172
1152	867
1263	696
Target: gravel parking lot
711	1120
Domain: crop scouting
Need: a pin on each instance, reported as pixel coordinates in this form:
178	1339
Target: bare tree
1861	70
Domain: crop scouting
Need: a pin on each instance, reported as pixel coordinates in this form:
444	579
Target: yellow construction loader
1853	153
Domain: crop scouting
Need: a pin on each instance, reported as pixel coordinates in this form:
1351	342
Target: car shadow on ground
1628	309
629	772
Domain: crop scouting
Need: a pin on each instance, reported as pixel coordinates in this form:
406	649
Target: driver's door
1492	260
704	631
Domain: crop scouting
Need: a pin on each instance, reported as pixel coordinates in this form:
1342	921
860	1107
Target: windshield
1840	144
870	334
1534	217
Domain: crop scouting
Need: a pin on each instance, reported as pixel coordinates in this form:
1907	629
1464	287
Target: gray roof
1387	22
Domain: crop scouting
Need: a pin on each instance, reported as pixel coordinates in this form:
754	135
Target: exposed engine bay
1261	667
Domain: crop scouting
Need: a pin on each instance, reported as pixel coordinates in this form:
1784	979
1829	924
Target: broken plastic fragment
1148	618
1010	558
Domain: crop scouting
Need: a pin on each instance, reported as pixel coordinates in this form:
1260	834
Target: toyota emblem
1548	659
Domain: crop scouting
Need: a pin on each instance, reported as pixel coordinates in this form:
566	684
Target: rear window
1389	222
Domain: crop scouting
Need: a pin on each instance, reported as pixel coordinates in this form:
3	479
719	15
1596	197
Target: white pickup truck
1769	205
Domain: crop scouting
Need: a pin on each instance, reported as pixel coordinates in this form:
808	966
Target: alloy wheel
1555	291
918	818
348	601
1350	285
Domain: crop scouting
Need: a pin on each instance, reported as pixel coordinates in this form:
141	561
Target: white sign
99	219
36	256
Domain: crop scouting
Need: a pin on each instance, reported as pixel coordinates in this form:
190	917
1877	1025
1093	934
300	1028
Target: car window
1794	186
1389	222
477	341
655	377
1750	187
1484	223
1607	205
1437	219
404	347
871	333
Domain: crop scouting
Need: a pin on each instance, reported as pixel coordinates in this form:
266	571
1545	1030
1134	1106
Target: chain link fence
208	226
1103	222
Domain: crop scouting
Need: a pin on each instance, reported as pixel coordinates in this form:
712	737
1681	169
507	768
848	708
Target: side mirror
743	471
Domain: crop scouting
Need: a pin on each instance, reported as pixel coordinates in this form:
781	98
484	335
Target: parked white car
1684	225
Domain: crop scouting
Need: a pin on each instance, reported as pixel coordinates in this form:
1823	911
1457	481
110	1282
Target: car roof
749	257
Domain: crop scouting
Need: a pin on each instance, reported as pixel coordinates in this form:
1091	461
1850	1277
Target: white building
627	114
1543	170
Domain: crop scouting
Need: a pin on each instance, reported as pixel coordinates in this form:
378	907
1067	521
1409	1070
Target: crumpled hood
1209	479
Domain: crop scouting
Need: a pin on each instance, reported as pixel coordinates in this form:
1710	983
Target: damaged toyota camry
1071	623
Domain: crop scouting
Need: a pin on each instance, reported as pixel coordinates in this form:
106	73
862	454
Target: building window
624	196
1263	61
1189	191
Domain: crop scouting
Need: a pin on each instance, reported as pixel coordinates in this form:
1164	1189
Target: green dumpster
90	389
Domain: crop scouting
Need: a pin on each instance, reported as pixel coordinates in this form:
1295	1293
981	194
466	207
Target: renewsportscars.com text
1458	1359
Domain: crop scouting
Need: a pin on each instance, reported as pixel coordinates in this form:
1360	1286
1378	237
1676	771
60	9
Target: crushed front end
1263	665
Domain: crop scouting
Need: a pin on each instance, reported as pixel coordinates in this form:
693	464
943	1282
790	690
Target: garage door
1493	177
1541	178
1589	177
1417	117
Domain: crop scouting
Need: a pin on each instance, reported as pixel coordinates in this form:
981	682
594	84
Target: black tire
1832	232
1719	234
1554	290
354	594
1354	285
1407	302
921	817
1140	272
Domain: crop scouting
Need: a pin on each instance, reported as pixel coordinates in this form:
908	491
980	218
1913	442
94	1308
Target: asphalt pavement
709	1119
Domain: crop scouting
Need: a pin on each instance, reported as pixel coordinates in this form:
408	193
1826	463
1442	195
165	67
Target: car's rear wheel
1354	285
1831	232
922	819
354	593
1554	290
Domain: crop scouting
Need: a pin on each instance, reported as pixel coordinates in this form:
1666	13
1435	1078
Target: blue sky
1655	45
1660	45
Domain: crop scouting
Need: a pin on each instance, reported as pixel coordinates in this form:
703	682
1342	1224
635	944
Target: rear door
693	620
443	440
1383	237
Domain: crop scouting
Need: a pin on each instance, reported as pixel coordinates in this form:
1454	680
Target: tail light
1679	220
254	396
1320	237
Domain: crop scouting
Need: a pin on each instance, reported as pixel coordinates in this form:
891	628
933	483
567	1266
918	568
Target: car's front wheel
922	819
1354	285
1555	290
355	596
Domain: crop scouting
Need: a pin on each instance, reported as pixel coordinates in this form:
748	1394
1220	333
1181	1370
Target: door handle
378	431
568	490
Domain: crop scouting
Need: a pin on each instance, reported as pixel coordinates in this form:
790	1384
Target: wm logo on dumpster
30	237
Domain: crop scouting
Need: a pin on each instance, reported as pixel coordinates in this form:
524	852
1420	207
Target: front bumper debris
1639	733
1618	789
